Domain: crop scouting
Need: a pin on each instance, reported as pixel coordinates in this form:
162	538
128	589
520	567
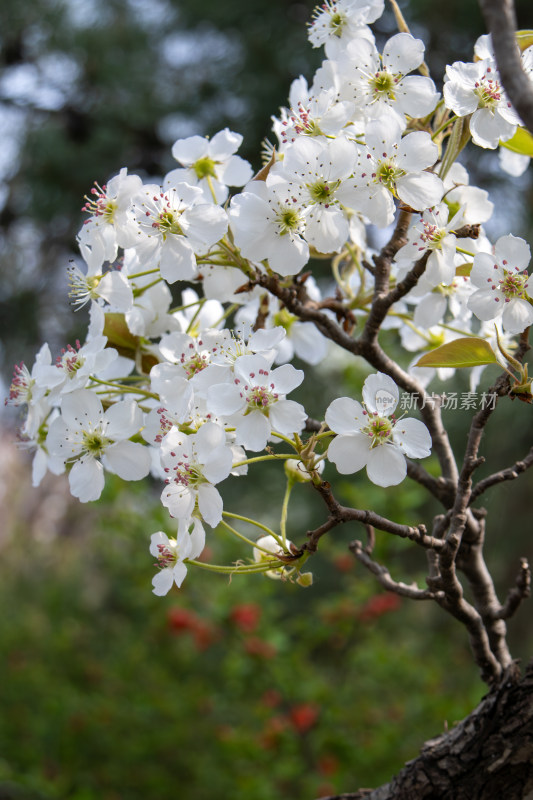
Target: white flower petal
349	453
286	378
287	417
129	460
517	315
487	128
197	538
386	465
81	406
178	261
420	190
345	416
417	152
380	394
156	539
413	438
189	150
486	304
224	399
209	438
430	310
210	504
218	466
179	500
403	53
179	573
417	96
162	581
513	250
123	419
253	431
86	479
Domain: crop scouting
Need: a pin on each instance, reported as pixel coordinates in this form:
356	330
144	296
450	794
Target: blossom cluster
185	383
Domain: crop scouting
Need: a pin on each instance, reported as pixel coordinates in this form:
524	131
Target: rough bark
500	19
487	756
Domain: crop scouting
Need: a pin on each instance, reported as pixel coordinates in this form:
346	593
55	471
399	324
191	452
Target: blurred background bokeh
241	689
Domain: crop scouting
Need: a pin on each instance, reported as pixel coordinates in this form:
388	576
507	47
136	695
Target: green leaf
521	142
524	39
464	270
119	336
466	352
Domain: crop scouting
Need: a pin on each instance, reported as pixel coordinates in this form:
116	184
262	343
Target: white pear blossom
268	226
231	345
336	22
502	282
450	298
110	208
315	179
319	115
194	464
476	89
372	437
210	164
475	203
112	287
391	166
193	357
432	232
91	439
174	226
382	84
26	390
172	553
75	365
255	403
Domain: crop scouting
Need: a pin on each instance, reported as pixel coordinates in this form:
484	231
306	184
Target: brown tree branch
500	20
339	515
384	577
508	474
521	591
471	562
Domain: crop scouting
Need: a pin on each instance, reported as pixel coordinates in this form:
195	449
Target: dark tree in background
88	87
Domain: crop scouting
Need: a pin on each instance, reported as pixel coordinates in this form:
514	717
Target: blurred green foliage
242	688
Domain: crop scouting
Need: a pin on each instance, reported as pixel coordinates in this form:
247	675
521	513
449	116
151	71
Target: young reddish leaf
467	352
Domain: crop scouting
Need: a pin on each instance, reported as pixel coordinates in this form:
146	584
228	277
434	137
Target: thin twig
339	515
384	577
508	474
521	591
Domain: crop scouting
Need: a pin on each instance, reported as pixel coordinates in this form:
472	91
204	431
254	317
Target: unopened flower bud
305	579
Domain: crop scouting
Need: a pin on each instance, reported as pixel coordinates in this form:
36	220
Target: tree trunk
487	756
